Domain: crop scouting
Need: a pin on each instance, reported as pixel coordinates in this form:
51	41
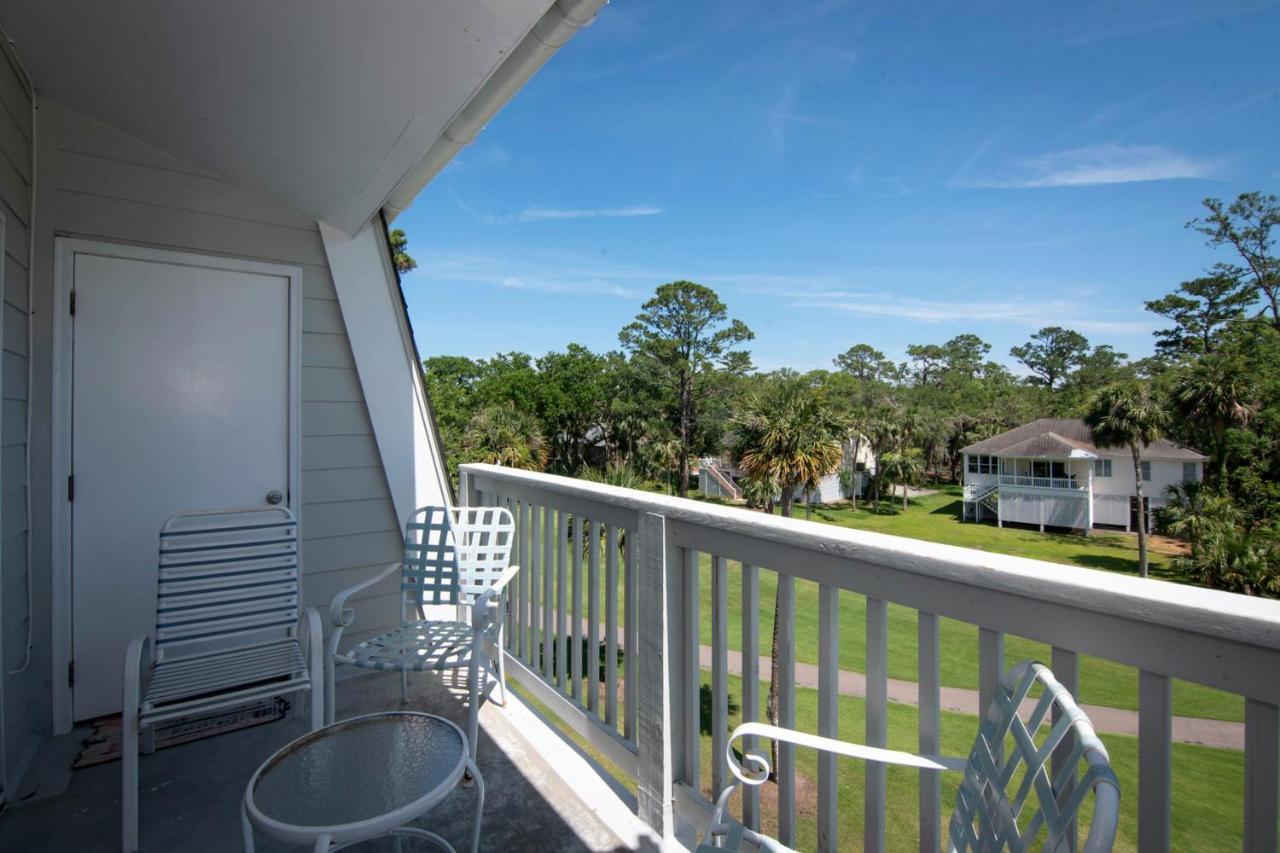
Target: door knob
274	497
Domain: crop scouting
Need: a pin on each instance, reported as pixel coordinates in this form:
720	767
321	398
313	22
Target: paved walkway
1216	733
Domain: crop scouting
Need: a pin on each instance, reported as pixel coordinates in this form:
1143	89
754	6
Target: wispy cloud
543	214
555	214
1013	310
1096	165
553	275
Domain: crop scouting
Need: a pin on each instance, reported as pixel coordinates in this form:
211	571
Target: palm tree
783	432
505	435
1218	395
901	467
1128	415
760	492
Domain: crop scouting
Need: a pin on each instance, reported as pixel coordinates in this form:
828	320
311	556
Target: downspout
548	35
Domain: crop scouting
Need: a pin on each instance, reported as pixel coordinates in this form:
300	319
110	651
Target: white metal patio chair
456	556
229	631
1007	765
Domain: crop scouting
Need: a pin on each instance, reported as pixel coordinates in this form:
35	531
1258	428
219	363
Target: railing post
1261	775
1155	788
659	671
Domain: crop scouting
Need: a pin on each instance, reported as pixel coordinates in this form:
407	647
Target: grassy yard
1207	783
936	517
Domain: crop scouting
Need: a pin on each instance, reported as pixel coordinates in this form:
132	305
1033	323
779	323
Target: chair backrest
1010	763
453	554
227	578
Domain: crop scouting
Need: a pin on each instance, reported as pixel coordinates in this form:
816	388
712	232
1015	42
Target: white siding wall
1164	473
20	712
97	183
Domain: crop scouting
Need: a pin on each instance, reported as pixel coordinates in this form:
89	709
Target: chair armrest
137	667
339	613
759	773
484	605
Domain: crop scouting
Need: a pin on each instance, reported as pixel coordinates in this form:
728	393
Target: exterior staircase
982	497
723	480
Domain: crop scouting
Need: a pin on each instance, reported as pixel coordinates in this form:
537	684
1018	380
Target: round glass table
359	779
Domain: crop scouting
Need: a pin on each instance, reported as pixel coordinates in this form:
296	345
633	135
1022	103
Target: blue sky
846	172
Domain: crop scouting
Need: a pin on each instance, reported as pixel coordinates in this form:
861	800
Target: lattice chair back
1010	799
228	578
453	554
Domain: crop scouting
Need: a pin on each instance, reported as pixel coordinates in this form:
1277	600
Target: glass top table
359	779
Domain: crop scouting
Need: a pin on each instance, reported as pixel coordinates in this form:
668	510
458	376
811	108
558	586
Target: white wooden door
180	401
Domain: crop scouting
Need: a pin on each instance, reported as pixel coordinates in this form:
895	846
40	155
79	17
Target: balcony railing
649	585
1041	482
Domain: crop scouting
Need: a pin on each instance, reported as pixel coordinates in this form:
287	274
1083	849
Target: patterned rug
103	744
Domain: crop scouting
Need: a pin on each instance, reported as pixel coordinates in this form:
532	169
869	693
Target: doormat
104	743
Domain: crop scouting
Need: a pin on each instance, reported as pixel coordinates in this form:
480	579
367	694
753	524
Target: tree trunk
1220	436
686	439
1142	515
808	505
787	499
904	497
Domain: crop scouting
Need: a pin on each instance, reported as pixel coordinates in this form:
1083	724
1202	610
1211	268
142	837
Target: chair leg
148	734
473	702
129	781
502	670
246	829
404	685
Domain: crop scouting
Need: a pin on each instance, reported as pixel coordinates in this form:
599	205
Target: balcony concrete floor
191	793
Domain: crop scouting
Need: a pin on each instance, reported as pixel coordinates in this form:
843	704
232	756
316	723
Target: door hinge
71	487
71	673
73	303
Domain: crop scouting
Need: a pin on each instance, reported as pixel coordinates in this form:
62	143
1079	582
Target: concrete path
1216	733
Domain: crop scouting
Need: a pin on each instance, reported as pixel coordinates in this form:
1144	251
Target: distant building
717	477
1049	473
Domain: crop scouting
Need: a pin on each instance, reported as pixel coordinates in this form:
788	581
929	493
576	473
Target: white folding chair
456	556
1008	765
227	632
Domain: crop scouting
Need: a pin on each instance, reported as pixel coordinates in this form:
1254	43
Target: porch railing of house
1040	482
644	716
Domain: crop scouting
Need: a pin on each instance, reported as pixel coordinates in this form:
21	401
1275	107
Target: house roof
1071	438
333	108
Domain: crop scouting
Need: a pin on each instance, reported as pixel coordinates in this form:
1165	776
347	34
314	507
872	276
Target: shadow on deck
191	794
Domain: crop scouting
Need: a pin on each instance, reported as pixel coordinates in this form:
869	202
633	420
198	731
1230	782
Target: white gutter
545	37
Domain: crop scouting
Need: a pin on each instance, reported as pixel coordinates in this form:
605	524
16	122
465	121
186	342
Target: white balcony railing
1068	483
653	542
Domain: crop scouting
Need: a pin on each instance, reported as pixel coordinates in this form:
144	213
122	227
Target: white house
1050	473
720	478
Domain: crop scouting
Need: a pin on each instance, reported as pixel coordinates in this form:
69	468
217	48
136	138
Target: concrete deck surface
191	794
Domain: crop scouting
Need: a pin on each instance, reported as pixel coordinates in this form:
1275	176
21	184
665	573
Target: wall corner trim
386	363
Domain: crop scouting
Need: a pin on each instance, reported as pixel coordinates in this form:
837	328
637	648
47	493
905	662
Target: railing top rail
1245	619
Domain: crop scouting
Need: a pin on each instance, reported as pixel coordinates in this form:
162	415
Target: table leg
322	844
246	829
479	784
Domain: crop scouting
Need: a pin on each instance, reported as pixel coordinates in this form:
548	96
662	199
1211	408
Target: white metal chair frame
457	556
985	816
229	631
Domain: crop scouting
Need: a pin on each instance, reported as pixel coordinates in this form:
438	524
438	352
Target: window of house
982	464
1039	469
1102	467
1058	470
1190	472
1146	472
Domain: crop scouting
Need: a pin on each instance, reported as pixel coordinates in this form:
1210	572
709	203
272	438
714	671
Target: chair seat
415	647
224	678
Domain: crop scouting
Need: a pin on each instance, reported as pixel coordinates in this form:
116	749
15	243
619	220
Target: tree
1218	394
1200	309
1246	225
964	356
504	435
1128	415
783	433
901	467
865	363
928	361
683	335
571	403
400	251
1051	354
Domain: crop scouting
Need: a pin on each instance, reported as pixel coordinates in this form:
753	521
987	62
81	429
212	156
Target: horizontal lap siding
21	711
114	188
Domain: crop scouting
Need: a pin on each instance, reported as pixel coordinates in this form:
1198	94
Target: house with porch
200	311
718	477
1049	473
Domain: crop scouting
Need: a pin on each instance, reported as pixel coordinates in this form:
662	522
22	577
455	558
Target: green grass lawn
1207	783
936	518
